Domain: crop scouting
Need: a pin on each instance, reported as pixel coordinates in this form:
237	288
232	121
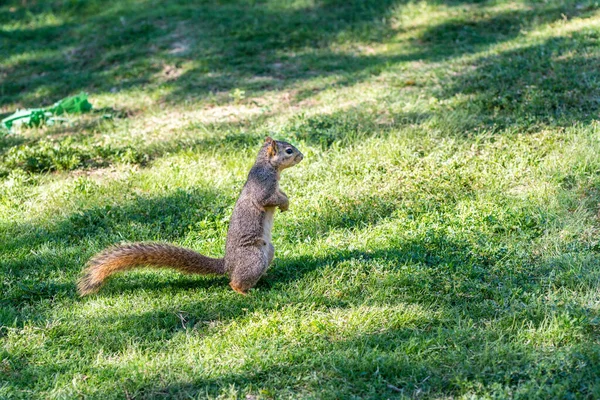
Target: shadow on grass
199	49
553	83
122	45
472	33
370	365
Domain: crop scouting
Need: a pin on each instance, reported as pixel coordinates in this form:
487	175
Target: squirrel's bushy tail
135	255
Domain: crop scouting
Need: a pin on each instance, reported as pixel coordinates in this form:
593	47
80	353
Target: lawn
443	233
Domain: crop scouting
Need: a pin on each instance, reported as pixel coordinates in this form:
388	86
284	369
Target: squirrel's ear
272	146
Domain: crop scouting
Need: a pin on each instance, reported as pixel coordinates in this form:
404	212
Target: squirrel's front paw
284	207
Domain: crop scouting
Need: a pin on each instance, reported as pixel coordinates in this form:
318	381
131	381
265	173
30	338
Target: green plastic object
38	116
72	105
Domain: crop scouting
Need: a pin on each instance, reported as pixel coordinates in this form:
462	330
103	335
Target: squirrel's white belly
268	224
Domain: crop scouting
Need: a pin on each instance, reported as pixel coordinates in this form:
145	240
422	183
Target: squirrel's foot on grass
237	289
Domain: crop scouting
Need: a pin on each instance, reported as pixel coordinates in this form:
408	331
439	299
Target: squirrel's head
281	154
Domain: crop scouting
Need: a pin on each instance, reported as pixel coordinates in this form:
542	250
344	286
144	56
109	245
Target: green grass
443	233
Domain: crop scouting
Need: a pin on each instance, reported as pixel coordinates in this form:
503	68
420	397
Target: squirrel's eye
289	151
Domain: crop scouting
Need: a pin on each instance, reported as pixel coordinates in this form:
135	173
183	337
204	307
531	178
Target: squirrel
248	247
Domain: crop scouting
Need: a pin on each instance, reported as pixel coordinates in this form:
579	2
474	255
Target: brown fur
248	249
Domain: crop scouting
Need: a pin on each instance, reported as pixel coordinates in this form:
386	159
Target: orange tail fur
136	255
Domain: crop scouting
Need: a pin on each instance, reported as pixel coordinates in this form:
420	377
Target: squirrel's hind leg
238	289
250	263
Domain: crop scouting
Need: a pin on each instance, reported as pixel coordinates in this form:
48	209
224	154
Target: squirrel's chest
268	224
